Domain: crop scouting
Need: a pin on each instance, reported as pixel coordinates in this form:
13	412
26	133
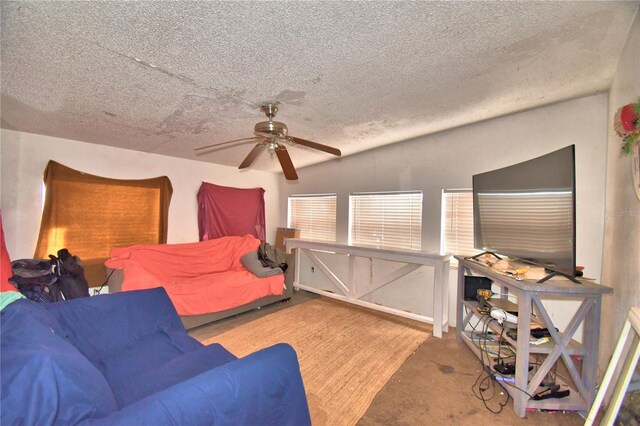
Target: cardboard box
283	233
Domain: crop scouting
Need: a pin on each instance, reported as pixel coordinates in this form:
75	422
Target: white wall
444	160
24	157
621	257
449	159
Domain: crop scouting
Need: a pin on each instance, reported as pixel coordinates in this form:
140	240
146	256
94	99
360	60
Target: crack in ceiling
168	77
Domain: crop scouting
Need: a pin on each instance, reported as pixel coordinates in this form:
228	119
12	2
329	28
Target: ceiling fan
273	135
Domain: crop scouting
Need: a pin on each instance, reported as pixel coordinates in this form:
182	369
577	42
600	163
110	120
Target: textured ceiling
168	77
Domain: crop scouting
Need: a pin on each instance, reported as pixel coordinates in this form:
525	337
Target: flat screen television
528	211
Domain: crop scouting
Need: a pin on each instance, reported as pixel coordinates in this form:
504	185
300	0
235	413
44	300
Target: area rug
346	353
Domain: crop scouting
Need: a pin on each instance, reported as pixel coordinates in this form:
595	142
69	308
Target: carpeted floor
347	354
432	387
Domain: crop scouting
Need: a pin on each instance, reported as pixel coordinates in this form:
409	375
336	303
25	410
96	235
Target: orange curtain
89	215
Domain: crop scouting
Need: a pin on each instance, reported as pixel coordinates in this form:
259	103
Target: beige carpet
346	353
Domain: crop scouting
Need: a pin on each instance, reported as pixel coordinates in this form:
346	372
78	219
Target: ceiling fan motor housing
273	128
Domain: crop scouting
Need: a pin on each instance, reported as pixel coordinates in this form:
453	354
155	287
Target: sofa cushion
146	354
137	386
109	323
44	378
223	290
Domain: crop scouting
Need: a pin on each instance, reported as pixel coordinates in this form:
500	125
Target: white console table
352	291
530	294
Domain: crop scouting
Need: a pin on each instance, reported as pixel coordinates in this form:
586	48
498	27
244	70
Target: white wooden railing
352	291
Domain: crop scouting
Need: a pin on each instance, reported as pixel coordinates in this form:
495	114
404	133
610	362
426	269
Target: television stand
582	376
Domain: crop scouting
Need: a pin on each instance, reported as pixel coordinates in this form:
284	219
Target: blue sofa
126	359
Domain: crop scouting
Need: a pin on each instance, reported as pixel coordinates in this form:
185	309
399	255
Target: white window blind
314	215
389	219
457	223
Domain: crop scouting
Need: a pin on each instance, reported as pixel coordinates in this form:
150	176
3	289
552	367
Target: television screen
527	211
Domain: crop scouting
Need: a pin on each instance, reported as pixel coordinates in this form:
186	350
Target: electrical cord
96	292
512	385
486	383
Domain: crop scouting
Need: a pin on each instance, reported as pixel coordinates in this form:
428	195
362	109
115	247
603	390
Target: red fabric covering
224	211
200	278
5	264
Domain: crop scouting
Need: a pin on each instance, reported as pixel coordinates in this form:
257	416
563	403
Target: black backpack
47	281
36	279
70	273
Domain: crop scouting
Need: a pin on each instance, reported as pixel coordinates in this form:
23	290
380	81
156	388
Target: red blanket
200	278
5	264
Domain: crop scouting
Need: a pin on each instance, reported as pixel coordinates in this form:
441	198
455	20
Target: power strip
501	316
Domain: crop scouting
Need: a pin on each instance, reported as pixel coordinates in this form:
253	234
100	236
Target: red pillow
5	264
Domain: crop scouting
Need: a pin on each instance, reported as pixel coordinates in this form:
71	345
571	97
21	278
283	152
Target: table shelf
573	402
574	347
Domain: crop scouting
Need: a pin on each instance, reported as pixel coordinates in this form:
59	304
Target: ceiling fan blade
285	162
315	145
255	152
225	143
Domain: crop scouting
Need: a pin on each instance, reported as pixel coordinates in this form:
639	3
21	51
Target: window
90	214
457	223
387	219
314	215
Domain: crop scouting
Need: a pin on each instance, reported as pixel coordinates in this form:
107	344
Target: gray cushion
253	264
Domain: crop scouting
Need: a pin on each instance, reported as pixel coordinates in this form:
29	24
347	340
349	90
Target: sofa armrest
291	265
262	388
115	277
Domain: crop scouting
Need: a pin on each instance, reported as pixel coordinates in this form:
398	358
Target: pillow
253	264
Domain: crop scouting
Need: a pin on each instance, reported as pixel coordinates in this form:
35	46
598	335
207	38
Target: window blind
457	223
314	215
390	219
